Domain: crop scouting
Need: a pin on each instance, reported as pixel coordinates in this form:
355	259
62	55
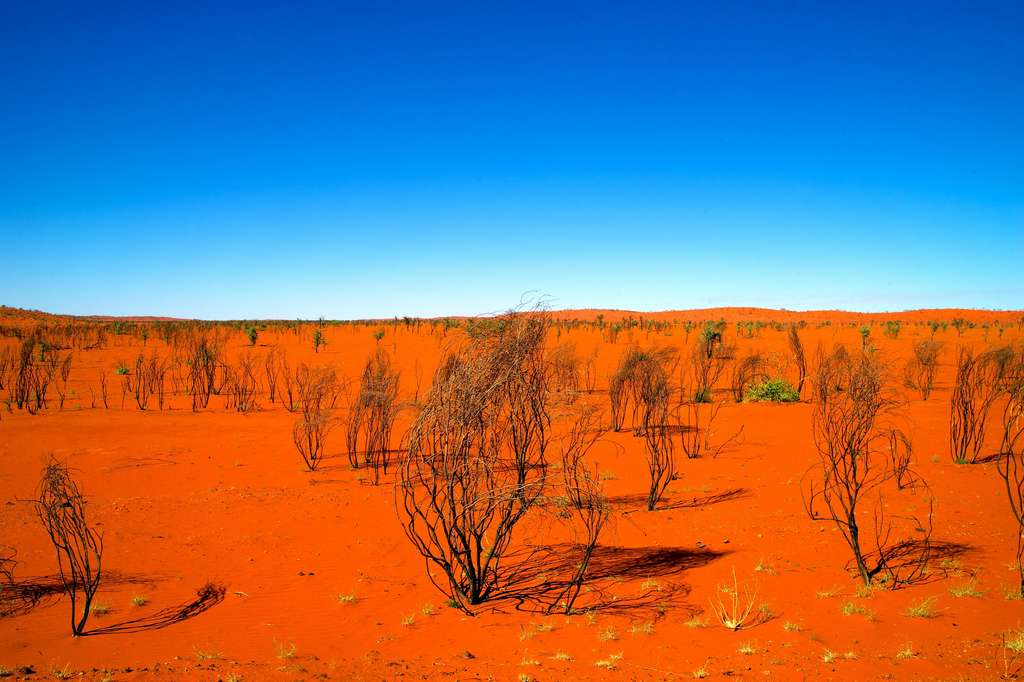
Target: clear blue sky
377	159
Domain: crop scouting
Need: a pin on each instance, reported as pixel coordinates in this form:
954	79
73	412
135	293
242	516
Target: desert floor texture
318	581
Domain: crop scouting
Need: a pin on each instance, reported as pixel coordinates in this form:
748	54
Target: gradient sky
377	159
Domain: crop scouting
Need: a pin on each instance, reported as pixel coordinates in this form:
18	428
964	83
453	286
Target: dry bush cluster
981	379
1011	469
920	370
371	417
477	460
856	479
317	391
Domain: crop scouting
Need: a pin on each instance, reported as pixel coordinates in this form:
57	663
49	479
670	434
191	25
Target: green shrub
775	390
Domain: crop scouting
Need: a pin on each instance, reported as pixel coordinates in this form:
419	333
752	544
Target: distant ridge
729	314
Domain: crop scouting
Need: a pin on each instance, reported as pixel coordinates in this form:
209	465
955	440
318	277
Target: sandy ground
185	498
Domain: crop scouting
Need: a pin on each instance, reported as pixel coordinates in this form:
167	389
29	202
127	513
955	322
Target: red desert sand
225	557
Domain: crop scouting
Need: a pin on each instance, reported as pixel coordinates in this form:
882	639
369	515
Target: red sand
184	498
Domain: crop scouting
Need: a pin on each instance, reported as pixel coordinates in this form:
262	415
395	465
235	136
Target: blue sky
380	159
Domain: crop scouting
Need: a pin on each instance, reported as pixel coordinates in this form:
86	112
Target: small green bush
775	390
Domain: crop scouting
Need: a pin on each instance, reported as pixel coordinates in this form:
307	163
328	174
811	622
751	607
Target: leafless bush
696	430
584	432
854	478
243	385
751	369
45	373
708	362
202	360
831	371
476	462
373	413
6	363
655	397
103	390
156	376
799	358
61	377
24	375
636	368
272	369
315	386
32	376
140	384
590	372
290	398
310	436
980	380
589	507
7	565
901	453
565	370
1011	468
79	547
919	373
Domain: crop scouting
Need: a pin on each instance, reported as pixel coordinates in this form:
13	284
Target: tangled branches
1011	469
31	378
373	414
477	456
654	396
61	376
79	547
7	564
751	369
696	430
203	356
272	368
635	370
708	360
797	349
919	373
980	379
317	388
587	503
854	474
242	384
565	370
149	380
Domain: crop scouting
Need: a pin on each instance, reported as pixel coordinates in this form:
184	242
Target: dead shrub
589	507
980	380
635	368
799	358
477	462
315	388
371	417
203	358
243	385
1011	469
751	369
707	363
565	370
854	479
60	506
272	370
919	373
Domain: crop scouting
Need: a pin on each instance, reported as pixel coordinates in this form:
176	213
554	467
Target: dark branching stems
78	545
